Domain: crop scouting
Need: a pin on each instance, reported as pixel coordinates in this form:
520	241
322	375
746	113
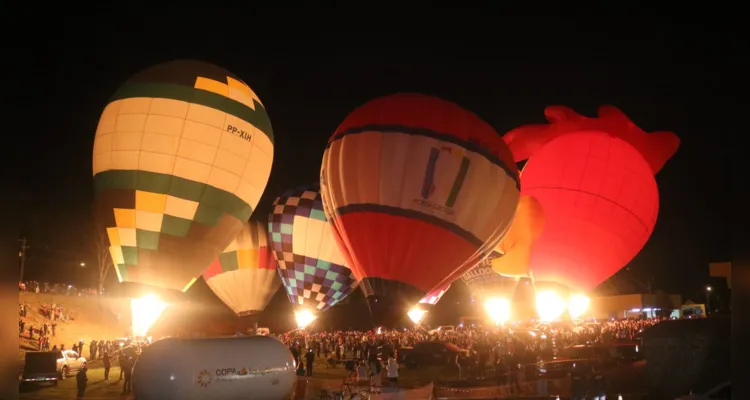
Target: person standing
127	366
54	327
392	369
82	380
107	364
309	358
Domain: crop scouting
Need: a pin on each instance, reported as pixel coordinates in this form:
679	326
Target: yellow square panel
246	259
181	208
223	180
169	108
148	221
114	236
212	86
196	151
158	143
155	162
242	97
127	237
130	123
229	161
127	160
262	142
206	115
201	132
135	105
127	140
192	170
147	201
124	218
116	253
239	85
102	162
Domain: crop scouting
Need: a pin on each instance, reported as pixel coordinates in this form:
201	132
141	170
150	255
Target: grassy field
323	378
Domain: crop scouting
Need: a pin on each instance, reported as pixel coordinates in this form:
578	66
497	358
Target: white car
69	362
720	392
443	328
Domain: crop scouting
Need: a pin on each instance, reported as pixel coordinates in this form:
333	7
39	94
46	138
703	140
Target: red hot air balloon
417	191
594	178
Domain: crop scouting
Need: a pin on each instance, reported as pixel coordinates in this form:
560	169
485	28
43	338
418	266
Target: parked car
443	328
69	362
585	356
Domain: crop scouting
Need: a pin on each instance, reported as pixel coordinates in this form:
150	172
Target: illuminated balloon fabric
181	157
594	178
244	275
516	246
483	282
310	264
434	297
413	180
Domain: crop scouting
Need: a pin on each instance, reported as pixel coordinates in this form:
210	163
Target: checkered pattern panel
308	281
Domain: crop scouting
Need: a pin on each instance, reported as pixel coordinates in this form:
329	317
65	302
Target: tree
103	259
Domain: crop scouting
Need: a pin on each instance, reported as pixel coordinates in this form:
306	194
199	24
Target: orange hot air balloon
526	228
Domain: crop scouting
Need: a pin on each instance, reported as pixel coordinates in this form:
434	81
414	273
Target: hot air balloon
484	283
310	264
417	190
517	244
244	275
417	313
182	154
594	178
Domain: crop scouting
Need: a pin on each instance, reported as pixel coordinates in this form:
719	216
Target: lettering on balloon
428	182
243	134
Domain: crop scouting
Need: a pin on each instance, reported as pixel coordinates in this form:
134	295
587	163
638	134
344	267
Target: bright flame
416	315
549	305
498	309
145	310
578	305
304	318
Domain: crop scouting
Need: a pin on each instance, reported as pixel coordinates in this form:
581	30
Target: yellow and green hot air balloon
182	154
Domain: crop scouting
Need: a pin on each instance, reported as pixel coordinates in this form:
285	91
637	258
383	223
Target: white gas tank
248	367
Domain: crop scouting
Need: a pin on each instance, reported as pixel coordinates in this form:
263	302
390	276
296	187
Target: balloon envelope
310	264
594	178
244	275
181	156
418	190
517	243
484	283
434	296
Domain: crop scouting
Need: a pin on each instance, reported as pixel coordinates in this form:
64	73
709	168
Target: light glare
498	309
416	315
145	311
578	305
304	318
549	305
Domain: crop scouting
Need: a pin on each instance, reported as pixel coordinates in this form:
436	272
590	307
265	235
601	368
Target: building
721	270
635	305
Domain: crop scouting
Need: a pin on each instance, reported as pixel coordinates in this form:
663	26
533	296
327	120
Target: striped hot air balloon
310	264
244	275
433	297
182	154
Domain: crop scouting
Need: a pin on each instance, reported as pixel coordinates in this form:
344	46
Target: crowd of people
55	288
500	354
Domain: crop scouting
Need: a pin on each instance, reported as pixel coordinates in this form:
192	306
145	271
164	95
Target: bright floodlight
145	310
498	309
549	305
416	314
578	305
304	318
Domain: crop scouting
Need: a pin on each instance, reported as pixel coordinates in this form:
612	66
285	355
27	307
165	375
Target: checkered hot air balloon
182	154
244	275
310	264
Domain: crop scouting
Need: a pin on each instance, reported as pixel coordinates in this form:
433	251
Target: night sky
310	74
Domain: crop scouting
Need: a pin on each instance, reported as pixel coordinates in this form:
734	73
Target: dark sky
310	73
